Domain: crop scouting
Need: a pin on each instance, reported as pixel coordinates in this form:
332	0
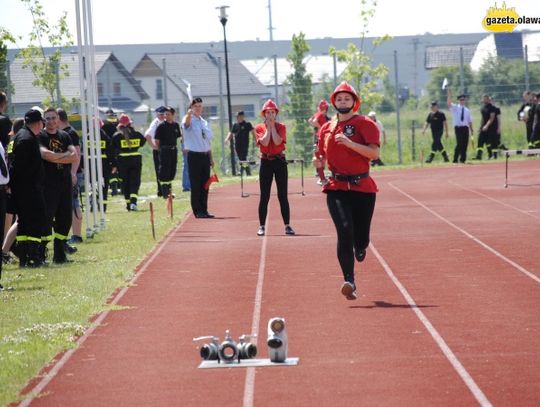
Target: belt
351	179
265	156
460	127
199	152
167	147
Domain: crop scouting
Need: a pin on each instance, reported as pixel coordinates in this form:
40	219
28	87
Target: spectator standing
488	128
461	118
373	116
110	127
347	144
317	120
198	136
126	143
165	139
271	139
149	136
76	180
526	114
27	180
58	155
436	120
240	134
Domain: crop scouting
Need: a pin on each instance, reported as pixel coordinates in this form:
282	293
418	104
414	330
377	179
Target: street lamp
223	20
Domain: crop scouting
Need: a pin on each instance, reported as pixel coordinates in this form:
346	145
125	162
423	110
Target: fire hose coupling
229	350
277	340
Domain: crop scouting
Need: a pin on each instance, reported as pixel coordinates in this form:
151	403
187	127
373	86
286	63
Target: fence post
526	60
413	140
397	108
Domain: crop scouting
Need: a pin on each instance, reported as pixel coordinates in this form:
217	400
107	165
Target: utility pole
270	29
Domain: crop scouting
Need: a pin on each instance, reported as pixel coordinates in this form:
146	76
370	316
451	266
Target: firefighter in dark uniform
107	163
240	133
126	143
58	154
27	180
110	127
488	127
437	122
165	139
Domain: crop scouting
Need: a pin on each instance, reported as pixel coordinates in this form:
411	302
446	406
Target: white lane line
454	361
484	245
494	200
38	388
249	384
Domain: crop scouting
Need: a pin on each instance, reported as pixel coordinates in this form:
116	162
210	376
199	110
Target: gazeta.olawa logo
505	19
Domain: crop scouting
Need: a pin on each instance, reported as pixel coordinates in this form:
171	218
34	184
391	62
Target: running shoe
349	291
261	231
289	231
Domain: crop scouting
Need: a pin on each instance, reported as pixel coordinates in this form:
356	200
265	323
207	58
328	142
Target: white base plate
213	364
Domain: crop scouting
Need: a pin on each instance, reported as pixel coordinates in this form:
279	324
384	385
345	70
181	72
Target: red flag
213	178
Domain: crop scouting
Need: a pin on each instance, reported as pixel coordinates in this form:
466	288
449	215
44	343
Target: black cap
434	103
32	116
463	95
161	109
196	100
110	112
240	113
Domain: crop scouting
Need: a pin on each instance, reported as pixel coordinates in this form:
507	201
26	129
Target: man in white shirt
461	117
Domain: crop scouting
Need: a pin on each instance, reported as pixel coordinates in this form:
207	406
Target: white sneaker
349	291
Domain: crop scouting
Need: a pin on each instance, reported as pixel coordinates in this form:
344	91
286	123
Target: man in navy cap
110	125
461	116
150	134
27	180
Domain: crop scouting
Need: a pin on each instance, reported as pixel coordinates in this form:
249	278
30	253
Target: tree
5	37
360	73
45	67
452	74
300	96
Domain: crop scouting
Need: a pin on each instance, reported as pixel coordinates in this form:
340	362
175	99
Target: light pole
223	20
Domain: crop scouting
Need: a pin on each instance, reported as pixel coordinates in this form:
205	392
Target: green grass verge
42	310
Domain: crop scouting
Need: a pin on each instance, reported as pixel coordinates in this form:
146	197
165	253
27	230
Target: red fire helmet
323	105
345	87
269	105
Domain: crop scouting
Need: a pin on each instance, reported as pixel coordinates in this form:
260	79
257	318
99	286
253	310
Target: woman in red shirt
346	145
271	138
317	121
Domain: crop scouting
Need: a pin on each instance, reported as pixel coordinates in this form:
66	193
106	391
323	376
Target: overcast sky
173	21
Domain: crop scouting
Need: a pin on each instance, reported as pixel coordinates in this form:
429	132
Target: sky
174	21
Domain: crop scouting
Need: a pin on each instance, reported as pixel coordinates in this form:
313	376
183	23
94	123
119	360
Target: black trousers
269	169
130	171
58	208
106	167
155	157
199	172
436	144
462	141
168	159
3	197
30	206
351	212
242	148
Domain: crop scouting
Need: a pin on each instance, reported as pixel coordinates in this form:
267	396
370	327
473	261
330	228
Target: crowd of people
41	167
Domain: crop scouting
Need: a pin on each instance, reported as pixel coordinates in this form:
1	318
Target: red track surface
448	312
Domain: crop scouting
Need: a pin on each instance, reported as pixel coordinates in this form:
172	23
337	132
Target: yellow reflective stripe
128	154
133	195
21	238
59	236
47	238
131	143
10	147
102	144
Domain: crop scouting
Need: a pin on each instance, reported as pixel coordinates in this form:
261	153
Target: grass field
42	310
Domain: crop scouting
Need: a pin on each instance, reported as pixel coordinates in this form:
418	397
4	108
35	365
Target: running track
448	312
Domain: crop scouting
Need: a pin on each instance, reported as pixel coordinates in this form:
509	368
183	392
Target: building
170	79
117	89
